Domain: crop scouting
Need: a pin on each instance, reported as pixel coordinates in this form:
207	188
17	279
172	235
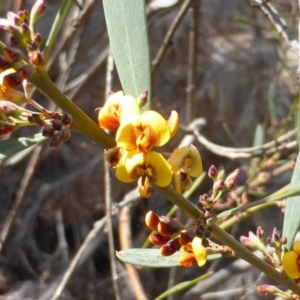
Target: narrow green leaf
15	145
127	30
259	137
152	258
183	285
272	103
291	222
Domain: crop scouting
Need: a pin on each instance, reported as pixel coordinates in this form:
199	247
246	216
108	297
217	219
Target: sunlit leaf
127	29
152	258
15	145
291	220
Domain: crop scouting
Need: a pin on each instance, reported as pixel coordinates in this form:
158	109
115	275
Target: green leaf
152	258
15	145
259	138
291	222
183	285
127	30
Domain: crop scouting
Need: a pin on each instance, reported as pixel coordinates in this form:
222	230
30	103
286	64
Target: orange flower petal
290	263
187	259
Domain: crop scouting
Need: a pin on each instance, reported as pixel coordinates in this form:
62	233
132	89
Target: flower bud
152	220
219	185
142	99
26	32
13	18
57	124
4	64
12	81
38	39
170	248
276	235
157	239
55	141
252	241
25	72
64	134
269	290
67	119
260	233
48	131
232	179
213	172
11	54
36	58
23	15
37	11
186	237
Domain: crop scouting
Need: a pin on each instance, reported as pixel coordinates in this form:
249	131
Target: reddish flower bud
113	156
57	124
55	141
142	98
48	131
36	58
65	134
11	54
219	185
38	39
165	229
170	248
213	172
37	11
12	80
4	64
276	235
67	119
152	220
186	237
157	239
232	179
23	15
25	72
260	232
269	290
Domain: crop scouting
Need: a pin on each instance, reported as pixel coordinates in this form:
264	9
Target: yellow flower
7	88
115	109
142	132
193	252
147	167
185	162
291	262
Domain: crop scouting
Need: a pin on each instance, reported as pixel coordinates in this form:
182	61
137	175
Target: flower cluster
136	136
172	236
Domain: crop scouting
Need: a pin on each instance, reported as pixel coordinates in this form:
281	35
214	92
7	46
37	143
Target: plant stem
81	122
248	256
60	17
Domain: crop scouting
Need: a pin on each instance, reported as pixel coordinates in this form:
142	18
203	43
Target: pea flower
193	252
143	132
115	109
185	162
147	167
291	261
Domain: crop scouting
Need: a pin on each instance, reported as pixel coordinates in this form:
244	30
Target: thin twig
125	243
107	196
20	197
162	50
72	267
62	241
237	153
192	61
278	22
98	226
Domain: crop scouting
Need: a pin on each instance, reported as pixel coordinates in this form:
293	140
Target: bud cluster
58	130
21	27
172	236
